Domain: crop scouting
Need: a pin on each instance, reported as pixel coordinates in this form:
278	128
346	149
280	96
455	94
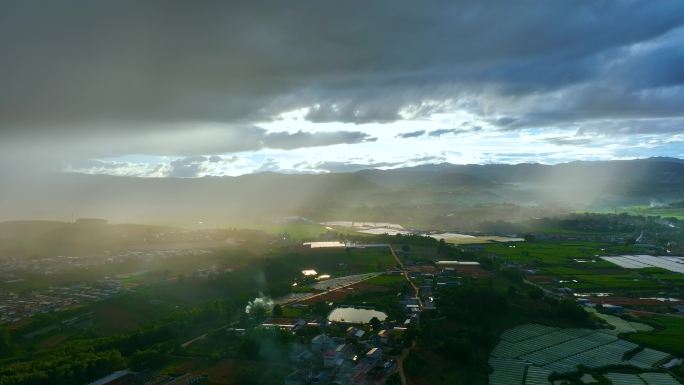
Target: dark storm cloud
241	60
361	110
97	164
568	141
429	159
442	131
187	167
287	141
662	127
505	121
413	134
191	139
453	131
88	79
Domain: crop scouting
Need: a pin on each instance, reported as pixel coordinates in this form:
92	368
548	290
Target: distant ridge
423	192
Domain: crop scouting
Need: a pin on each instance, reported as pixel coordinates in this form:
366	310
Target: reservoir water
354	315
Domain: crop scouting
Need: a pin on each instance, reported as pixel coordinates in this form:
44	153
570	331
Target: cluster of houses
604	307
443	275
360	357
16	270
13	269
14	307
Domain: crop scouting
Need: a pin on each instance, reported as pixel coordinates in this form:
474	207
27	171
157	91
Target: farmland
674	264
672	211
579	266
188	310
668	334
546	351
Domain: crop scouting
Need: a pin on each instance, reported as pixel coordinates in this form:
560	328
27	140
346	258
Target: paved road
400	363
405	352
401	264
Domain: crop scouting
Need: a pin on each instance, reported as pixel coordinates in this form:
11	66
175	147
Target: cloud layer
374	84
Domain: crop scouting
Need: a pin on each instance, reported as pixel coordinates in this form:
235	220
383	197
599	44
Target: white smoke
262	302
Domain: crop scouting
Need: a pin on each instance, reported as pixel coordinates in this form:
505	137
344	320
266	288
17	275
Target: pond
354	315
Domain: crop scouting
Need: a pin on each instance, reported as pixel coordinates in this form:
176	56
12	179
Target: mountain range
419	195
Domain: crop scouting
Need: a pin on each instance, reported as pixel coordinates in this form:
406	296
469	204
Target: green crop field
575	260
668	335
600	282
663	275
557	253
665	212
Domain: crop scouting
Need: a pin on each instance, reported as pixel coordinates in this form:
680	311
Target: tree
512	291
244	319
414	364
228	311
258	314
394	379
459	349
472	302
513	275
375	323
321	308
571	310
147	359
441	246
277	311
5	340
249	348
408	336
248	376
535	293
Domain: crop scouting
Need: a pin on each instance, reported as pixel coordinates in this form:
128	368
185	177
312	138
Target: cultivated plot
529	354
641	379
675	264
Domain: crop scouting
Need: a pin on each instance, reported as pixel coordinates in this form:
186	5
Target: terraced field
529	354
641	379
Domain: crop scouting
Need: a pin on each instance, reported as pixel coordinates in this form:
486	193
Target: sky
213	88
